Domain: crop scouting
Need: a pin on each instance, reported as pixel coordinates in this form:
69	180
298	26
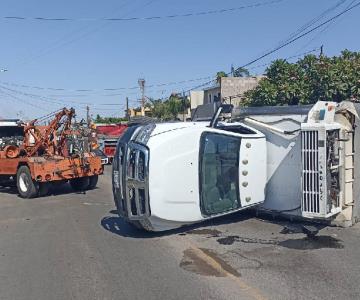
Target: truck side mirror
225	109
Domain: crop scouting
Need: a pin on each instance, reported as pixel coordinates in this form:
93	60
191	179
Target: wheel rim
23	183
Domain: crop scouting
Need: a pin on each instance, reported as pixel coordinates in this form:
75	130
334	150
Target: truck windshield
219	173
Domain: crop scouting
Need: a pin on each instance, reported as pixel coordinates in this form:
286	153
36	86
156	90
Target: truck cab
172	174
11	133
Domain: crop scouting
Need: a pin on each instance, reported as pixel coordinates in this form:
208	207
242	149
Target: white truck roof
9	122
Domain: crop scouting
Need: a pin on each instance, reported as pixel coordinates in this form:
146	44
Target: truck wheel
93	180
27	187
80	184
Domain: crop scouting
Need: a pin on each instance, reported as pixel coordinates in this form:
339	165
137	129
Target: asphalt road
73	246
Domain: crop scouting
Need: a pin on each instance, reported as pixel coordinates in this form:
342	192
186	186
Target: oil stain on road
306	243
206	262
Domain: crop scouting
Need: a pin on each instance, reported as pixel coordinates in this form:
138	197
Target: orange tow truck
35	157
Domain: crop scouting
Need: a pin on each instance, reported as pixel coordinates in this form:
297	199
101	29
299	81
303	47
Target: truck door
219	173
232	172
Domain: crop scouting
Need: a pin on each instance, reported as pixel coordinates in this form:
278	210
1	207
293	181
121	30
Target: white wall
196	98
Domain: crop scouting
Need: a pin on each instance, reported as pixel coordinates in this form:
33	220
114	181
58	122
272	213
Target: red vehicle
108	135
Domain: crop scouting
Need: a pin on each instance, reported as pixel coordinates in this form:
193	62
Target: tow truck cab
171	174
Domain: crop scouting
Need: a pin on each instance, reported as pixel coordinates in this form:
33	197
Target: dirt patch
207	263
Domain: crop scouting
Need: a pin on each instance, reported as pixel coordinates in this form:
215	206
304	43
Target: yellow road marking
253	292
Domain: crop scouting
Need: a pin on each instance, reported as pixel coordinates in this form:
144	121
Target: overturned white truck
293	160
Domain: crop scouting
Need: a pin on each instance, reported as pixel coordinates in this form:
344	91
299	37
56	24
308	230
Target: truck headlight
144	133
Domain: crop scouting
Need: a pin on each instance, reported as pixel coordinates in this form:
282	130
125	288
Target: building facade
230	90
233	88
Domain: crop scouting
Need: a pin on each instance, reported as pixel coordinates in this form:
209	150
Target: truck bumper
65	169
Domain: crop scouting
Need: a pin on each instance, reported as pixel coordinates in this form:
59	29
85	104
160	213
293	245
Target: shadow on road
119	226
64	189
8	190
54	190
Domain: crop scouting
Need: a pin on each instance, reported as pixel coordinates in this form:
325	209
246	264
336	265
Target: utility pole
127	115
88	115
141	83
321	51
183	105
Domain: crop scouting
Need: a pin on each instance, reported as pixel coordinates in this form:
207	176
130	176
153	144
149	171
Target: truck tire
93	180
27	187
80	184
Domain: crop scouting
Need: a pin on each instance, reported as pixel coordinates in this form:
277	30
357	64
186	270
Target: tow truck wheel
93	180
80	184
26	186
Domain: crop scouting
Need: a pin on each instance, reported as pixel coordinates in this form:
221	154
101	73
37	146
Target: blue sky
97	55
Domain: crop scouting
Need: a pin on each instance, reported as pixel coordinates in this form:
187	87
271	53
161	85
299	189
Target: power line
21	100
200	13
301	36
57	102
53	100
104	89
288	42
326	27
88	31
310	23
287	58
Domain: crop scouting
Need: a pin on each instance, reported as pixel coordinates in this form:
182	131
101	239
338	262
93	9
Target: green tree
170	108
219	75
309	80
158	109
241	72
108	120
98	119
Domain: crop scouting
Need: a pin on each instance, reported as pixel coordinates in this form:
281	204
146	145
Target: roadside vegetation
309	80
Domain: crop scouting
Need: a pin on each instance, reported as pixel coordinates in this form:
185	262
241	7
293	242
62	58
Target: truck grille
133	165
310	172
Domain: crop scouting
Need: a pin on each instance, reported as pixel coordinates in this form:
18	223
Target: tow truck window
219	173
10	131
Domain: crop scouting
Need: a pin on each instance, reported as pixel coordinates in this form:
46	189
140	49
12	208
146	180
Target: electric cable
288	42
105	89
325	29
130	88
200	13
22	101
310	23
61	44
